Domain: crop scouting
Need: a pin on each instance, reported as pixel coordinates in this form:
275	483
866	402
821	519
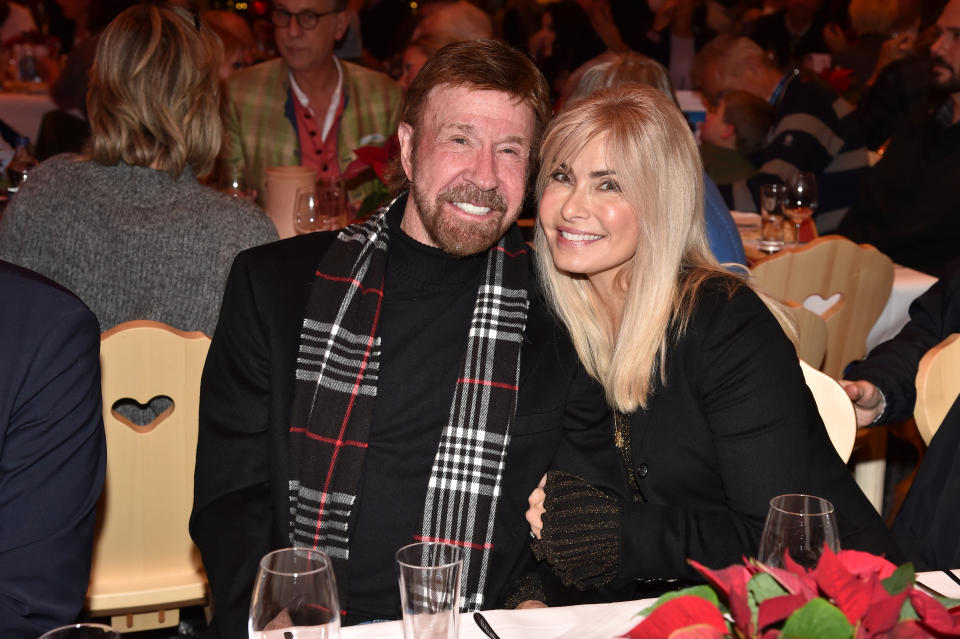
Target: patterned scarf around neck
336	388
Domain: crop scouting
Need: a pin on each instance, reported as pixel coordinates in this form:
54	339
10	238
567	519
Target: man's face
303	49
945	52
467	168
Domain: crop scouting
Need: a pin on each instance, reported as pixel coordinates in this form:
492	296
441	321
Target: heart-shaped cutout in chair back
824	307
142	418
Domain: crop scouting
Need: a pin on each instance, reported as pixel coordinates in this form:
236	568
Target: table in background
24	111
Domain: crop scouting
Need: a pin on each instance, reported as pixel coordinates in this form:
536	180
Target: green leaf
703	591
762	586
907	611
947	602
901	579
818	619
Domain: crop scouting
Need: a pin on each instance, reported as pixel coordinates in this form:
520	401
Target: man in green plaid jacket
307	108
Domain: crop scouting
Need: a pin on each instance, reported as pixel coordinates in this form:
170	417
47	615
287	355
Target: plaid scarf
336	388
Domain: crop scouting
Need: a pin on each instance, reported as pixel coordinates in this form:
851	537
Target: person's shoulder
288	255
258	75
38	297
362	77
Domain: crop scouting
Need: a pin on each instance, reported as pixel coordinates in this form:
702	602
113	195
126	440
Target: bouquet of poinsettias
849	594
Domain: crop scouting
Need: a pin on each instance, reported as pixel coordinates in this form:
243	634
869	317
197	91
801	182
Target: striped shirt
815	131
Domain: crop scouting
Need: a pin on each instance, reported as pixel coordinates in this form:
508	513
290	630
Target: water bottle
28	66
20	165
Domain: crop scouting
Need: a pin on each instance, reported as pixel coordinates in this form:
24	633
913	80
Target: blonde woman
714	417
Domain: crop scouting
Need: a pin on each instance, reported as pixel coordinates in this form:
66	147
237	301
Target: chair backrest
811	333
835	408
938	384
142	543
832	265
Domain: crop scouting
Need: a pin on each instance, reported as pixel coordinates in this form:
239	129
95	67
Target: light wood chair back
829	265
835	408
938	385
145	566
811	333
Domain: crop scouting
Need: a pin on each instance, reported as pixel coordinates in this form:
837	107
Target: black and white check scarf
336	388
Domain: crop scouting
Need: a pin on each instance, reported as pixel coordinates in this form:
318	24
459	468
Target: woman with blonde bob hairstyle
713	416
126	225
154	95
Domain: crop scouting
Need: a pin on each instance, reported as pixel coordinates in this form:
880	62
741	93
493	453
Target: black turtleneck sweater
428	300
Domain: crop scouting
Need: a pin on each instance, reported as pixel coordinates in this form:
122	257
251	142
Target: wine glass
320	208
82	631
801	525
801	200
295	597
234	183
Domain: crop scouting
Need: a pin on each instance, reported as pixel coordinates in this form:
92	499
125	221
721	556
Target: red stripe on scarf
508	253
484	382
328	440
349	280
353	397
454	542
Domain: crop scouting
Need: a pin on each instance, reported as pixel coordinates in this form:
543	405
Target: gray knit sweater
131	242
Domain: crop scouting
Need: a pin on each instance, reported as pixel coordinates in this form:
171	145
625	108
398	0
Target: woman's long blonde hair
648	143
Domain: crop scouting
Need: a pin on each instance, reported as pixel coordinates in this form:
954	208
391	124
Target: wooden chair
145	566
938	385
829	265
835	408
811	333
862	277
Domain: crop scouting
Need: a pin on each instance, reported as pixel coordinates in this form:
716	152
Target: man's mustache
492	199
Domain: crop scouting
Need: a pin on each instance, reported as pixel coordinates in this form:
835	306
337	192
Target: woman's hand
536	510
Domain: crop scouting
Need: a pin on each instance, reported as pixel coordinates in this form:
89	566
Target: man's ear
728	131
343	21
405	135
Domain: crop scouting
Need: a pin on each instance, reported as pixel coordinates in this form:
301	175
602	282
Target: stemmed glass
321	208
295	597
82	631
801	525
801	200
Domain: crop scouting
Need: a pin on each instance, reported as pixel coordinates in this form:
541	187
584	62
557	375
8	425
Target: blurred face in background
945	52
413	60
309	49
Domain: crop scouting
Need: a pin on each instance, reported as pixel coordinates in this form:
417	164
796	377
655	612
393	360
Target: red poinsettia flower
377	158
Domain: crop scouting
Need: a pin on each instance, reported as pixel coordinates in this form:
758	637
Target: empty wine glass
82	631
295	597
801	525
321	208
801	200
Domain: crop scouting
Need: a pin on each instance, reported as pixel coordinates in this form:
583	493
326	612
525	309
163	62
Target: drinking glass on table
82	631
295	597
800	525
430	590
771	214
321	208
234	183
801	200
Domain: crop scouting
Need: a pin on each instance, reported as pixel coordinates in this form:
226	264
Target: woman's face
589	225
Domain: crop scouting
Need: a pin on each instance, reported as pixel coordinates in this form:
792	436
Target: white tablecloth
592	621
908	285
24	112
